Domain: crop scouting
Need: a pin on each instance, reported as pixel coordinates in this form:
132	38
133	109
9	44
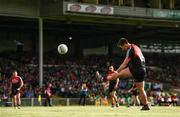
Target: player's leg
18	98
14	101
80	99
125	73
49	101
14	97
45	101
133	102
111	93
137	100
115	99
84	101
176	103
143	96
112	99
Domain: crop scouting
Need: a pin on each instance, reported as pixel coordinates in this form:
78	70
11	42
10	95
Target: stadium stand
68	74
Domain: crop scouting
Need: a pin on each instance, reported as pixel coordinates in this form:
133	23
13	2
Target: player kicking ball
133	66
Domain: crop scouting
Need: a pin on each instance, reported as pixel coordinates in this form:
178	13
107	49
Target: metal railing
75	101
41	102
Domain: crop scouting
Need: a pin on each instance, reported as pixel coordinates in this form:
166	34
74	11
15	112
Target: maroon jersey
112	83
110	72
48	92
16	82
137	60
136	63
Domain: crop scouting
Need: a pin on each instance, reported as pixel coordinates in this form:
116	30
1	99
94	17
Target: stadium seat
91	1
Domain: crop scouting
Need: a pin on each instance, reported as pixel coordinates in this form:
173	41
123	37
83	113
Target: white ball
62	49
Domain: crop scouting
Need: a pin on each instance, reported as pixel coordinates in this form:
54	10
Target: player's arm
99	76
129	55
49	93
130	89
124	64
21	83
117	82
86	89
45	91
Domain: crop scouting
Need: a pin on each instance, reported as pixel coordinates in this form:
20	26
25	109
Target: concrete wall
51	7
22	8
9	40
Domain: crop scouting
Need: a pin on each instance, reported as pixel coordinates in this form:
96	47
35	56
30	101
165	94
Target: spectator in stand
57	71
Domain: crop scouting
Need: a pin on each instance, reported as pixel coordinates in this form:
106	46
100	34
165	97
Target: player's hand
18	89
49	94
97	74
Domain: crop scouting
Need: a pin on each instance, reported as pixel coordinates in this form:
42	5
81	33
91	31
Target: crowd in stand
67	75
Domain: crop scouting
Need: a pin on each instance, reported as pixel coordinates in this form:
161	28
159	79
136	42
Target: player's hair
122	41
14	71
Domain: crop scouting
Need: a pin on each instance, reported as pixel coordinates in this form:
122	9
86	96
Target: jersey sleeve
130	53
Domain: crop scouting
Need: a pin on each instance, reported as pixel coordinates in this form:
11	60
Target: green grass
89	111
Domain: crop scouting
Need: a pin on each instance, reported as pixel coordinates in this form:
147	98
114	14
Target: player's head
123	44
97	74
84	85
111	68
49	85
15	73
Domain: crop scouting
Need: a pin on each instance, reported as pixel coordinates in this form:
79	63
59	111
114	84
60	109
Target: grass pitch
89	111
